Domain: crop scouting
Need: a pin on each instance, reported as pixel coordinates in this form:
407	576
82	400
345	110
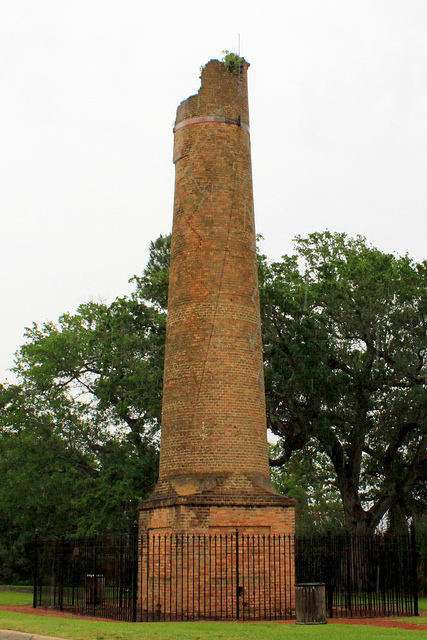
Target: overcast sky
88	95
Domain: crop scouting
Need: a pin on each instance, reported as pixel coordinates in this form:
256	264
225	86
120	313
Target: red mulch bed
374	622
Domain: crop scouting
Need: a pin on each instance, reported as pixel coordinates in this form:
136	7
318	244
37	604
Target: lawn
15	598
98	630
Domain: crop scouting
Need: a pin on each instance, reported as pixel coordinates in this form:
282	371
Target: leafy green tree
41	477
106	359
153	285
309	478
344	329
79	432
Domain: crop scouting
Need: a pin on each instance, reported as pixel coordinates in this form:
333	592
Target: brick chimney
214	471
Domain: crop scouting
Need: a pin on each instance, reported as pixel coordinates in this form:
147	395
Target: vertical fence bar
121	572
159	578
254	581
414	567
36	567
384	580
348	540
274	579
225	597
250	578
288	574
187	574
264	577
210	576
170	577
147	588
153	579
237	577
355	567
409	606
182	576
269	577
201	597
220	576
193	580
281	567
204	575
200	592
135	538
216	579
61	574
175	564
226	575
164	557
244	574
258	574
289	571
73	577
329	589
95	574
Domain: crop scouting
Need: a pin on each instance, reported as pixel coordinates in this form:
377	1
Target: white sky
88	95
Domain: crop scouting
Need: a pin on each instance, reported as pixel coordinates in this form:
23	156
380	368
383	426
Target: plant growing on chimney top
232	61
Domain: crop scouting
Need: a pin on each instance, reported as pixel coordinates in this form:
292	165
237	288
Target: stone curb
6	634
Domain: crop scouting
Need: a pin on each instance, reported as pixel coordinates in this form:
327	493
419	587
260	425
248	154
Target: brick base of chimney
215	503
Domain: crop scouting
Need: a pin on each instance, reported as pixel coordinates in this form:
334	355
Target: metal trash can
95	588
310	603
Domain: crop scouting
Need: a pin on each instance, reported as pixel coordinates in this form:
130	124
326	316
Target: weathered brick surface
191	516
213	403
214	472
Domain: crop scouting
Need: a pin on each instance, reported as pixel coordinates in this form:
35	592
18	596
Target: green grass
97	630
11	598
422	606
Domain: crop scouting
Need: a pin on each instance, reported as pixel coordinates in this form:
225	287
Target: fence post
414	568
121	570
36	567
328	575
135	537
348	539
95	573
61	576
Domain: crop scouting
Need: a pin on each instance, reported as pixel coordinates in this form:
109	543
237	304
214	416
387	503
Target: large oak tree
344	328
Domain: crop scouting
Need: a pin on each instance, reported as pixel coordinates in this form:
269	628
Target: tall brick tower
214	472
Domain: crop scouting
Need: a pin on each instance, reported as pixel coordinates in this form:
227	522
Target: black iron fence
365	576
92	576
223	577
216	577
